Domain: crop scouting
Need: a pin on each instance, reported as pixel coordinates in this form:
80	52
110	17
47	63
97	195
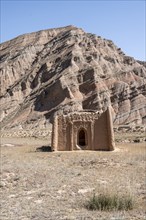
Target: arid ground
40	185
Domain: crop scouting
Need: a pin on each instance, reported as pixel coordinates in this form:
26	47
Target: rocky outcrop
62	70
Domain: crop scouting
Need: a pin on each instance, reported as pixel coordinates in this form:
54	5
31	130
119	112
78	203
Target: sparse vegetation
107	202
57	185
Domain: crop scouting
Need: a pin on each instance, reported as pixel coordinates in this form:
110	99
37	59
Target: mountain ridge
60	70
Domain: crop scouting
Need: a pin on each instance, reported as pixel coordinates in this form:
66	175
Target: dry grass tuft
107	202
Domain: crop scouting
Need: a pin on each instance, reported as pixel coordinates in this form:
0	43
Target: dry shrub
107	202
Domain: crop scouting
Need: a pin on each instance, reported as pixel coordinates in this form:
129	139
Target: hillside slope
65	69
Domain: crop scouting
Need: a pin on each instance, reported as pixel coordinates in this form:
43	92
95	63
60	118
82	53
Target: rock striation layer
65	69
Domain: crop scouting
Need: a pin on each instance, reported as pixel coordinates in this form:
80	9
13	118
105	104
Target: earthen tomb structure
83	131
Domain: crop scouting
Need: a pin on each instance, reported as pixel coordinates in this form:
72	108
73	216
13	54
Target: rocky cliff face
61	70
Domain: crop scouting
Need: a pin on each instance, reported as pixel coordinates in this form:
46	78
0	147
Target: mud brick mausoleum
83	131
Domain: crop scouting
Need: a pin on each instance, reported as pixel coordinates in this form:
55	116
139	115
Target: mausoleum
83	131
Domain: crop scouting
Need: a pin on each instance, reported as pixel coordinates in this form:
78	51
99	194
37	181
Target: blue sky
122	21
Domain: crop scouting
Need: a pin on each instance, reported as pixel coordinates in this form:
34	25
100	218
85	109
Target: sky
122	21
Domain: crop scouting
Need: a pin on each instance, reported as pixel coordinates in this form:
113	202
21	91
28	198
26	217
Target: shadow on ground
44	149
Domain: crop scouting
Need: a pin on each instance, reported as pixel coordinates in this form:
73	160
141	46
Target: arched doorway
82	138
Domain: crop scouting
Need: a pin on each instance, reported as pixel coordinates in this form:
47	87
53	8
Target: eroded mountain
60	70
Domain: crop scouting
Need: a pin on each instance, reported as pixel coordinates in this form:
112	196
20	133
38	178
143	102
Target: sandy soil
41	185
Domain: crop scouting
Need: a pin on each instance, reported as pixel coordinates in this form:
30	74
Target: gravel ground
41	185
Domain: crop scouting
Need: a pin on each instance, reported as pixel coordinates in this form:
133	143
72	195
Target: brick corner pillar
111	139
71	136
54	142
